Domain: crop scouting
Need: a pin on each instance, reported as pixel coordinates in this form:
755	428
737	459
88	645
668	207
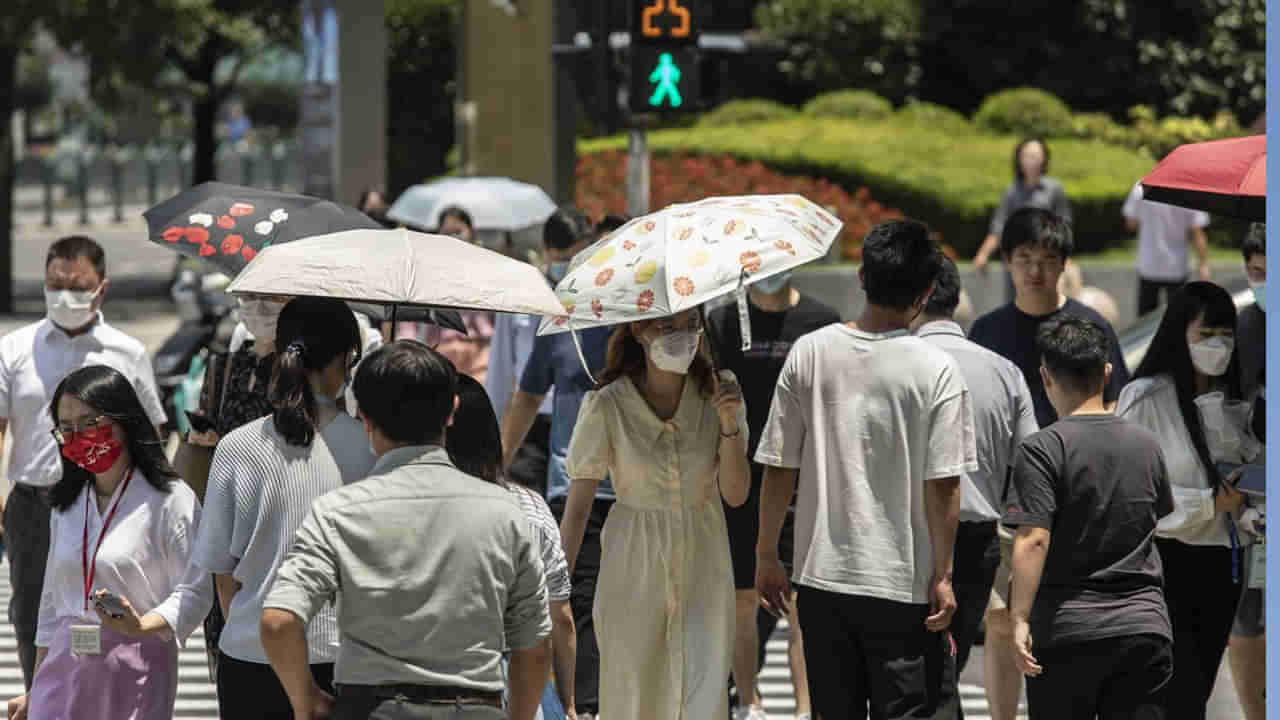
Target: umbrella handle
582	358
710	338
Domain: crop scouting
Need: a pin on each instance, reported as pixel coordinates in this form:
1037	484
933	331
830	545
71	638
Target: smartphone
110	604
199	423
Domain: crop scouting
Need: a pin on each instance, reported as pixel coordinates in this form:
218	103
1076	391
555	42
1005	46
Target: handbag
191	461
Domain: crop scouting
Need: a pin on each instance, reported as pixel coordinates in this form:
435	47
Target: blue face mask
557	270
772	284
1260	295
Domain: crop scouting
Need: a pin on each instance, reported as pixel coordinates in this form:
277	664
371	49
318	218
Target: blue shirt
554	363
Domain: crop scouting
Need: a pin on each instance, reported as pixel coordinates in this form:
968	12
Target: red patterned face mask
95	450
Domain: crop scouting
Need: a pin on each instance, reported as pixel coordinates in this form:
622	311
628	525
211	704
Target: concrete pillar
344	98
507	114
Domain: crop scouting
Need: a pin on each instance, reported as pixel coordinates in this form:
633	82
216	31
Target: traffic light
664	56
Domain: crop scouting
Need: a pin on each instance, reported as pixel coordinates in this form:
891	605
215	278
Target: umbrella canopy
399	268
493	203
1224	177
229	225
682	256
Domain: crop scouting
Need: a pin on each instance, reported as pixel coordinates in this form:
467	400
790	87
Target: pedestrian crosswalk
197	697
779	698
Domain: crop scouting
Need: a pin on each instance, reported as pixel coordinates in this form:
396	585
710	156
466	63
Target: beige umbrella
399	268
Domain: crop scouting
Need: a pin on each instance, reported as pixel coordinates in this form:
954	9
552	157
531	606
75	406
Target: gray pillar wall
344	97
362	99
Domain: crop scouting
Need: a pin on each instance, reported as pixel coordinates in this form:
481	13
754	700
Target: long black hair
107	391
310	334
1170	355
474	441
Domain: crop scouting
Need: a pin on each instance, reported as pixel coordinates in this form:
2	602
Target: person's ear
1045	378
1106	375
452	413
102	294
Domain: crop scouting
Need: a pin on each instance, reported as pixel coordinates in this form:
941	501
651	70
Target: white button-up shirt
143	557
33	360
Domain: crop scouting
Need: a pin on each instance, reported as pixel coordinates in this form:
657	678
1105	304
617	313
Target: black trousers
1120	678
586	572
251	691
1202	598
529	468
1149	292
976	559
870	655
26	535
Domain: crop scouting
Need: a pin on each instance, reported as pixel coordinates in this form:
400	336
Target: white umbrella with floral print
682	256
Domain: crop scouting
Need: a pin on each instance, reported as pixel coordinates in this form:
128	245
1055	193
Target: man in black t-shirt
1036	245
779	315
1090	623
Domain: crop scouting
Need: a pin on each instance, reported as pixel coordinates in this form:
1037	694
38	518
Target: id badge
1258	566
86	639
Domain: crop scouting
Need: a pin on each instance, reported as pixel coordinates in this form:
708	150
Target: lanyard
87	567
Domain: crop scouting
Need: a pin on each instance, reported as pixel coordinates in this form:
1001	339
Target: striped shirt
260	490
548	534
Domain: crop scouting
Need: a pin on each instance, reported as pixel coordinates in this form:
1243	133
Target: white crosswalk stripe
197	697
779	696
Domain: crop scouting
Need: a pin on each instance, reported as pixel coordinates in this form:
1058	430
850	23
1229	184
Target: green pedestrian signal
667	78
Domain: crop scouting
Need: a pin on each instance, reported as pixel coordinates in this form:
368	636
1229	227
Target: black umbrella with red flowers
228	225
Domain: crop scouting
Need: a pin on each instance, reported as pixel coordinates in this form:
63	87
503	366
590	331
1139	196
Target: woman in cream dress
672	437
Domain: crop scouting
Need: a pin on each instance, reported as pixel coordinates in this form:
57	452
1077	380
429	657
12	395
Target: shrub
746	112
849	104
682	177
953	182
931	115
1101	126
1024	111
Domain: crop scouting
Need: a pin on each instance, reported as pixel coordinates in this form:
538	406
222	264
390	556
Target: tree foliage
420	88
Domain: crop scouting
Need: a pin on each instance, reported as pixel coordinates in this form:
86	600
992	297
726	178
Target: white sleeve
48	618
192	595
145	383
1130	207
783	437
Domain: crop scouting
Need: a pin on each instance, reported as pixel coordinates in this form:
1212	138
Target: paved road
137	267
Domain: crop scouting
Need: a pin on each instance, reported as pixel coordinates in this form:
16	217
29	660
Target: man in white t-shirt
33	361
875	427
1164	232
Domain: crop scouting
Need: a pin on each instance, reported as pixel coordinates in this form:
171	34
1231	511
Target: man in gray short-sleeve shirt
436	573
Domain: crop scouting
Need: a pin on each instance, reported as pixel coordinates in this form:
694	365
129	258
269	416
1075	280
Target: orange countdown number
679	30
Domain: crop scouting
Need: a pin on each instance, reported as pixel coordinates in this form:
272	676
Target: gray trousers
26	542
393	709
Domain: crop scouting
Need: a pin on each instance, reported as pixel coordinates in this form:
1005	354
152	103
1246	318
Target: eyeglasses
63	431
1024	264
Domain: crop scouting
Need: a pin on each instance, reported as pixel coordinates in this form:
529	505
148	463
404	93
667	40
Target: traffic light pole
637	172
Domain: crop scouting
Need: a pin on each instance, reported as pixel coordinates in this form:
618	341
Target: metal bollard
277	164
246	168
153	171
47	179
117	185
82	186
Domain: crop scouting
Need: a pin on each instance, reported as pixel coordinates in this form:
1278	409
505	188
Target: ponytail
312	332
291	396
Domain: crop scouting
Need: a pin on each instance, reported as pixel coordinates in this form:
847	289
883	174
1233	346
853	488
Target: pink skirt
131	680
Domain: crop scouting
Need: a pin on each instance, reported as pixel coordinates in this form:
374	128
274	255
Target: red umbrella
1224	177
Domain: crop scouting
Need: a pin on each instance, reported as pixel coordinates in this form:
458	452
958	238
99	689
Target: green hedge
747	112
952	181
852	104
1024	111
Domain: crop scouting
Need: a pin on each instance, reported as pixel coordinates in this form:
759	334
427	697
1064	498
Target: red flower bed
676	178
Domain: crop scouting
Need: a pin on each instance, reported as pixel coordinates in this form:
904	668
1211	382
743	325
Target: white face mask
1259	294
70	309
674	351
260	318
1212	356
